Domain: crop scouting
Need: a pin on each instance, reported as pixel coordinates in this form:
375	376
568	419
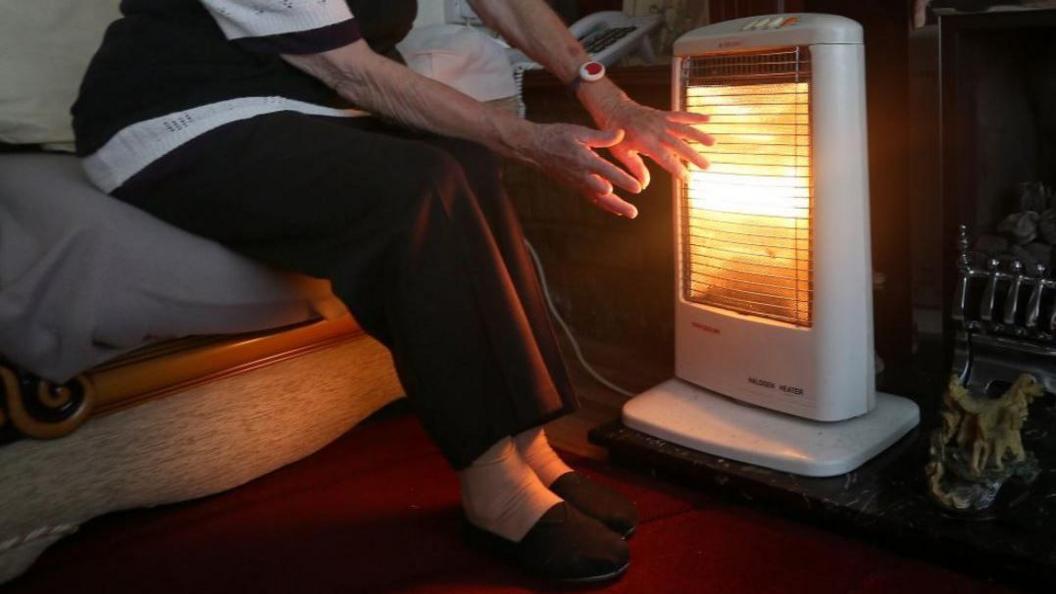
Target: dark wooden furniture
724	10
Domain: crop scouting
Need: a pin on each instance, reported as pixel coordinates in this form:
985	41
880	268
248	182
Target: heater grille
746	220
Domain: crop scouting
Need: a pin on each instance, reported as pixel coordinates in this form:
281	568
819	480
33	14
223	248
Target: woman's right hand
387	88
566	152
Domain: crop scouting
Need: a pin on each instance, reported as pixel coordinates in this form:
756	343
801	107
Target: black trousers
418	239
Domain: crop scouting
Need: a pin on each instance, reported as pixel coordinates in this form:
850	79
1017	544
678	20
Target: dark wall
886	25
724	10
572	10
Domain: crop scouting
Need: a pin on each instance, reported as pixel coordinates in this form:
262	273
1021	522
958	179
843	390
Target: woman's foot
511	511
502	495
563	545
536	451
599	502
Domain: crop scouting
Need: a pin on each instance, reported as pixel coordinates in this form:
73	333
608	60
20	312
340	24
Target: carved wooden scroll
36	408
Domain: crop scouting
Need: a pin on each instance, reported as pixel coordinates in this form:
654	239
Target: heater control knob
774	23
770	23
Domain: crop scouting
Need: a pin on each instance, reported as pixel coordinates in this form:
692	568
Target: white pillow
45	47
461	58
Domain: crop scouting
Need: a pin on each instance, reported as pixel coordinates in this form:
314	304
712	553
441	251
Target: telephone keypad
596	42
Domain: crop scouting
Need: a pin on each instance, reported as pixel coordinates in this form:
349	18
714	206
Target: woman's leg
483	173
396	226
434	270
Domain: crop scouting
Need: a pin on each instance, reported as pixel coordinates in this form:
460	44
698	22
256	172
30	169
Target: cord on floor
568	331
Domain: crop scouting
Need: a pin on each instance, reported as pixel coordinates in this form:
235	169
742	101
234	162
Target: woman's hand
663	136
384	87
566	153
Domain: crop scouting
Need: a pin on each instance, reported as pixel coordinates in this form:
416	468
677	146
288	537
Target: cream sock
502	495
536	451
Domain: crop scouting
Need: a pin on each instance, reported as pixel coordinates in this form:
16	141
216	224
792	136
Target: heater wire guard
746	221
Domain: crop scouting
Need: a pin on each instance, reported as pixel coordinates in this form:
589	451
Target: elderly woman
285	130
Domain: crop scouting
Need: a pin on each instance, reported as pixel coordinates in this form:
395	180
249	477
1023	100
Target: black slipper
597	501
563	545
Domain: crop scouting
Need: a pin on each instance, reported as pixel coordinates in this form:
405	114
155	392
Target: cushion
85	277
45	47
462	58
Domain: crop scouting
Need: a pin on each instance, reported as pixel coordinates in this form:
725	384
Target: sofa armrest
188	419
35	408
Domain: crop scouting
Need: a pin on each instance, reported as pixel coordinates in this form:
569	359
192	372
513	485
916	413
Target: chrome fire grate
1005	313
746	220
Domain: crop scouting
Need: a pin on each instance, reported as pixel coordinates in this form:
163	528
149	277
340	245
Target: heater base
690	416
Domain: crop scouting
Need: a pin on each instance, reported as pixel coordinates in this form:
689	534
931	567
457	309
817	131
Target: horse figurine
988	427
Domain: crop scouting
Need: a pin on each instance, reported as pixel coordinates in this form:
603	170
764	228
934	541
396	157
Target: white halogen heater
773	307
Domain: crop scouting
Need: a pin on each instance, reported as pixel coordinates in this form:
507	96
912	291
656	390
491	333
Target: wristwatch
588	72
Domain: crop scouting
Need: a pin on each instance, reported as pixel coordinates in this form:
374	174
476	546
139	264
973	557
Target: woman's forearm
391	90
394	91
532	27
535	29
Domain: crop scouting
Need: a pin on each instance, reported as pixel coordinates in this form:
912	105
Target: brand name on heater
787	389
706	328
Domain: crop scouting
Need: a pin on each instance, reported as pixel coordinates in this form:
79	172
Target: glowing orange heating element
747	219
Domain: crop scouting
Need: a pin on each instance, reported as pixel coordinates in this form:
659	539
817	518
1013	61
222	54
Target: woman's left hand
663	136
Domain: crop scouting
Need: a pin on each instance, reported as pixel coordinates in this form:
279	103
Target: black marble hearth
885	500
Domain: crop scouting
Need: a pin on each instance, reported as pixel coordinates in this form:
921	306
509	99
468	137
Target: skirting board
690	416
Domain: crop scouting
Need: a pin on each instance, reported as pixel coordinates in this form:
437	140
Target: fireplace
994	125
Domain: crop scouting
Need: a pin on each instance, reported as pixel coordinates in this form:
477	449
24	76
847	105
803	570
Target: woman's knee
441	172
437	175
442	185
481	165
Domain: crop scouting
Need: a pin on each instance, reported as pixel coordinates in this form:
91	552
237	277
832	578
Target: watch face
592	71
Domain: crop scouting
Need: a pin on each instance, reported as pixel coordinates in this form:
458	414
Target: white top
462	58
257	18
142	143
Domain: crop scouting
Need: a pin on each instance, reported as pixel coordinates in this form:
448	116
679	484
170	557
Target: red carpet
377	511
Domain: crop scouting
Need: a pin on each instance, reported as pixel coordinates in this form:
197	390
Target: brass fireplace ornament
1006	336
979	446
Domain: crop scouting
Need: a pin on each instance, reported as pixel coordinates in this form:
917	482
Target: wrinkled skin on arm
566	152
660	135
